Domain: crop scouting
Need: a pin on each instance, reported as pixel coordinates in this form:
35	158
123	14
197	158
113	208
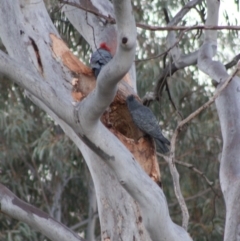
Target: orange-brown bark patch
117	117
119	121
84	81
61	50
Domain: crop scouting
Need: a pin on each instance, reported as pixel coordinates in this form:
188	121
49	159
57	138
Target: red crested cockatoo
100	58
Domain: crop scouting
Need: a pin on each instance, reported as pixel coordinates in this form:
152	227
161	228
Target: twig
41	186
171	158
167	72
112	20
192	197
171	69
176	28
172	101
84	222
165	52
177	189
193	168
200	173
208	103
109	19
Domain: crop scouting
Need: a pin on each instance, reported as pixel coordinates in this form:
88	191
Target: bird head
130	98
104	46
100	58
132	103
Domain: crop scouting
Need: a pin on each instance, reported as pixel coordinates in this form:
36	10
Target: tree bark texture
131	206
228	107
33	62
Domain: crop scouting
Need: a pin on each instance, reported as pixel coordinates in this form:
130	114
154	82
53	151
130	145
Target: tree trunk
131	206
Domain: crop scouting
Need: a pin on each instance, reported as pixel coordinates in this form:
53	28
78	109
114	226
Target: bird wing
147	122
162	146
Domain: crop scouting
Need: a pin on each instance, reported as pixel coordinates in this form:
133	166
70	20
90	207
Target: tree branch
192	167
16	208
115	70
209	102
92	211
111	20
171	158
179	60
46	90
228	107
176	184
53	96
132	178
187	28
35	85
192	197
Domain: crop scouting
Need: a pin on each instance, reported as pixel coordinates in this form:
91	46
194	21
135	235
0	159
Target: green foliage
199	143
36	158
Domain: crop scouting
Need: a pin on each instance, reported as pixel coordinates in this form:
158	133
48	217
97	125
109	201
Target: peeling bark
131	206
117	117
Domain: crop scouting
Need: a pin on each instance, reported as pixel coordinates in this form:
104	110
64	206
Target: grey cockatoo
100	58
145	120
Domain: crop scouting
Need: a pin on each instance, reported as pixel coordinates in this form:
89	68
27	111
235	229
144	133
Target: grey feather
99	59
145	120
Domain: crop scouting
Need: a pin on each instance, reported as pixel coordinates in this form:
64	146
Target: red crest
104	46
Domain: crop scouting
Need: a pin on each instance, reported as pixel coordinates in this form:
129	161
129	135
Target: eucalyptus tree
130	204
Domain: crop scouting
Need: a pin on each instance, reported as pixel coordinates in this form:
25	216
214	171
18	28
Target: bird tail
162	145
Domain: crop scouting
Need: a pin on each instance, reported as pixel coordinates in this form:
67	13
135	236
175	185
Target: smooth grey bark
180	59
95	29
16	208
56	209
228	107
126	215
117	176
92	212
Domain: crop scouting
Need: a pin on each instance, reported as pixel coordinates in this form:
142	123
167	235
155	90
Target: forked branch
171	158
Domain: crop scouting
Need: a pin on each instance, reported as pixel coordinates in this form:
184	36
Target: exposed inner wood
117	117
